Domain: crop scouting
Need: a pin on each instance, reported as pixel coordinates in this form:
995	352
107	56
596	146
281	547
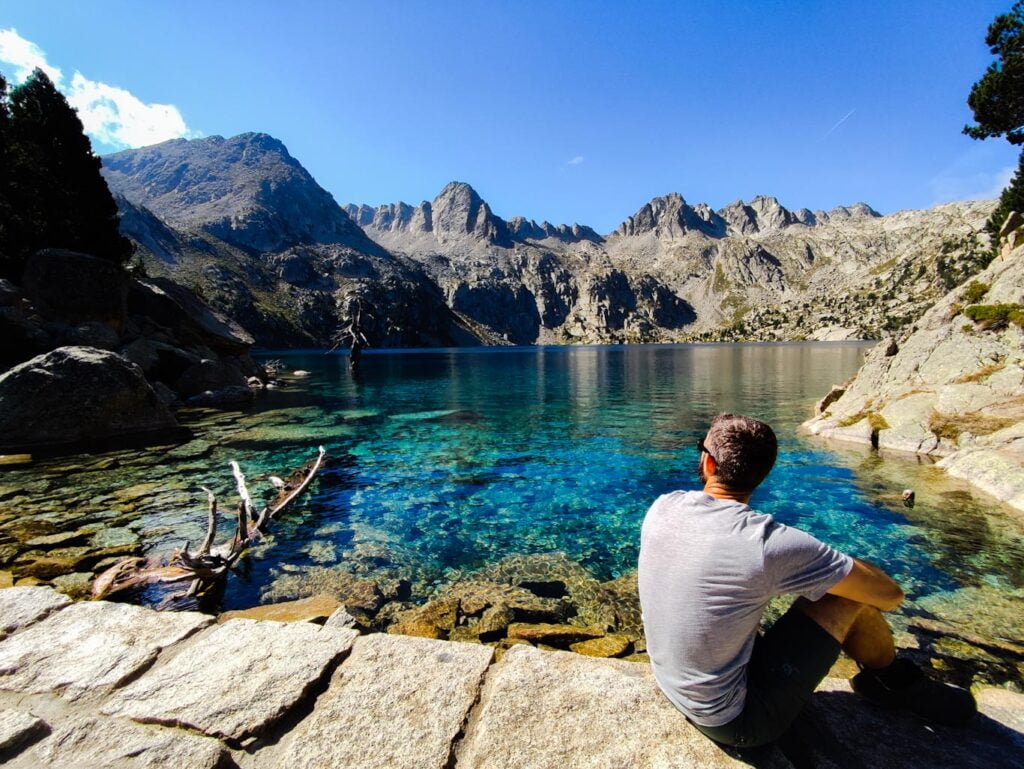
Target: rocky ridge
953	390
240	220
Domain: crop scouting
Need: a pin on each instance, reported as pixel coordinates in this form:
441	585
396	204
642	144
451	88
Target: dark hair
744	450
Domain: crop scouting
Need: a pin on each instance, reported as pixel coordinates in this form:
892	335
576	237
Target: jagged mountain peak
246	190
670	216
459	213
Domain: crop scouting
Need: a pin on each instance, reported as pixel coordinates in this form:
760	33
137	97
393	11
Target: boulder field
94	354
953	390
110	685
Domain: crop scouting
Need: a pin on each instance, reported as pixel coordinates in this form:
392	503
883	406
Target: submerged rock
317	607
77	394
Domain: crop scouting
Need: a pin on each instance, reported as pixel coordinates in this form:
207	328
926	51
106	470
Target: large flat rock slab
557	710
21	606
841	731
397	702
114	743
16	728
237	681
88	649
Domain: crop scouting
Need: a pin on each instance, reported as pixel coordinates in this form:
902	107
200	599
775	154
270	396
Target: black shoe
904	686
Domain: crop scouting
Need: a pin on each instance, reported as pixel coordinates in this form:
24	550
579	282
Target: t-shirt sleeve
802	565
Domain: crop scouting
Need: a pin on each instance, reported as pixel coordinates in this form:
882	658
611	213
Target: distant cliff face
245	223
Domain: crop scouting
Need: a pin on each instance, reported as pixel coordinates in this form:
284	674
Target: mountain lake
443	463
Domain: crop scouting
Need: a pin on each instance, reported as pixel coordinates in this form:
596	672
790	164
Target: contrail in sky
842	120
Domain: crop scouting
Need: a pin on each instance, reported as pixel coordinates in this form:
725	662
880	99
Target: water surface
445	461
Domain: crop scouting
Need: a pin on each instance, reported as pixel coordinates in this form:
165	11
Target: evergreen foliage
997	101
51	191
1010	199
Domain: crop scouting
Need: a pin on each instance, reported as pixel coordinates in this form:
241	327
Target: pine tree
54	184
997	101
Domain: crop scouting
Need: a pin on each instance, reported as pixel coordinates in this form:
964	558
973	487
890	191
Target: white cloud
25	56
957	184
575	161
111	116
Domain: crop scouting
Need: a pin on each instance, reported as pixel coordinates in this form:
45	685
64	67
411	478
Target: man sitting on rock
709	564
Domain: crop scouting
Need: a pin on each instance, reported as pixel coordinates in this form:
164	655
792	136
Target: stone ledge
88	649
23	606
236	682
396	702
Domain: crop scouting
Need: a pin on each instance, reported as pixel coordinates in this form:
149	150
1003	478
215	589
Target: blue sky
566	111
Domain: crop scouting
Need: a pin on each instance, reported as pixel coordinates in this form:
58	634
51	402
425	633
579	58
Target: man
709	565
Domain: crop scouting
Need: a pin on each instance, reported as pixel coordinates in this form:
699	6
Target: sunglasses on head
702	448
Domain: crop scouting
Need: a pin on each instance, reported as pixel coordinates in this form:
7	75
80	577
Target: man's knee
835	614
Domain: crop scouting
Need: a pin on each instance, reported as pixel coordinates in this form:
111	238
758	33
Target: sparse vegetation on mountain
52	194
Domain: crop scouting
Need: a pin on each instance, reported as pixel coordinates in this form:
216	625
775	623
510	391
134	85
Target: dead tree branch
208	567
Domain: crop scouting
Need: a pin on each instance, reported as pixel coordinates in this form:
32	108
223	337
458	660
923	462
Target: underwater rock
608	646
434	619
553	635
75	585
352	592
317	607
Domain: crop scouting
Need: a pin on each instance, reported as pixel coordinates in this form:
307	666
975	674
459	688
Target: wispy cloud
575	161
841	120
111	116
962	184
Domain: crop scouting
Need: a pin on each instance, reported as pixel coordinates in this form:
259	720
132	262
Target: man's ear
710	465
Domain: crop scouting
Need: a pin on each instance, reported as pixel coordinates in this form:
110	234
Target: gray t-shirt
707	570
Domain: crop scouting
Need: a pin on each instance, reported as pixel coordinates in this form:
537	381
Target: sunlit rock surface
953	389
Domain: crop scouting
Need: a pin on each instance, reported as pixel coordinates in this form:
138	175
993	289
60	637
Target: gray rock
76	286
947	391
208	375
77	394
340	619
21	606
88	649
111	743
843	730
226	396
92	334
16	728
555	710
396	703
237	681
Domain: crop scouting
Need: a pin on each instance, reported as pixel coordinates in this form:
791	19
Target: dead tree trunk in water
206	568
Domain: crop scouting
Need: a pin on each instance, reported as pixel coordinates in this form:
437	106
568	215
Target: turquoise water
460	458
445	461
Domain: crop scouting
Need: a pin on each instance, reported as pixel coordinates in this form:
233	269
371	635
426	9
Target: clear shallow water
443	462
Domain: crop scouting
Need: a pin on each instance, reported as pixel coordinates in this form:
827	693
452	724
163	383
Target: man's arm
869	584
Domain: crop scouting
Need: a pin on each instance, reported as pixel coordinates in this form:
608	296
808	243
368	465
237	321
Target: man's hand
869	584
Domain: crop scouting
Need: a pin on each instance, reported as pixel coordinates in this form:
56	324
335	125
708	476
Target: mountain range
241	221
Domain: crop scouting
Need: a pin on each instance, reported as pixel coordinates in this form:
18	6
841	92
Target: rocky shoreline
953	390
111	685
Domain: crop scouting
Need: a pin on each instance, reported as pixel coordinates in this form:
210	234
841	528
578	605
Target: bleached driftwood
207	567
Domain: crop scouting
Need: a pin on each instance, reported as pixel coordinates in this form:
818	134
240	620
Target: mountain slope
240	220
954	388
244	223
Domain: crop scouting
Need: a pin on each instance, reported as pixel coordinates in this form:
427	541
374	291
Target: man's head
738	452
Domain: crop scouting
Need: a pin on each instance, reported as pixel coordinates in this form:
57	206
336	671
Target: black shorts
786	666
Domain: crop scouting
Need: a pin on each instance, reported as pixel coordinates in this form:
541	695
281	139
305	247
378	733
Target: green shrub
996	316
975	291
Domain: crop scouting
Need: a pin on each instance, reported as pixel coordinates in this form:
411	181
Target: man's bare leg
869	641
861	629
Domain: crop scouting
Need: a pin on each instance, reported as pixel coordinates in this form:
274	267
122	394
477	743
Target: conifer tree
54	186
997	101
